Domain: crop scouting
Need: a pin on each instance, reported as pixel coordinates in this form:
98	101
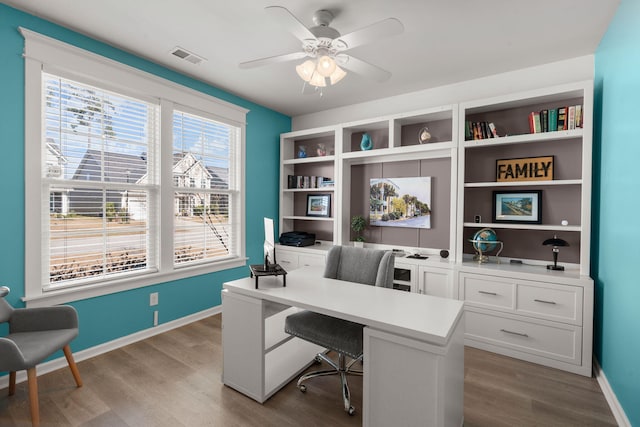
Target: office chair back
361	265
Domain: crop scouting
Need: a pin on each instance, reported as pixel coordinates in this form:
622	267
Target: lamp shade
306	70
317	80
326	66
337	75
555	241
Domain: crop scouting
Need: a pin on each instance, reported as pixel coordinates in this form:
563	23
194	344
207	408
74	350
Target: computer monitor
269	244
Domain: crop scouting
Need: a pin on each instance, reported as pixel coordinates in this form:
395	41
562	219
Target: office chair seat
335	334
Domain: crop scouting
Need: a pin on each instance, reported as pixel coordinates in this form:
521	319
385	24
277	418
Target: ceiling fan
324	47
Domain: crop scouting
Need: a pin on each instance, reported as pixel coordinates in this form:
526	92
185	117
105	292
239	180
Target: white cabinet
436	281
291	258
546	322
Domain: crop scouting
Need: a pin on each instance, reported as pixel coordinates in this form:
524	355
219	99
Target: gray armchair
366	266
34	335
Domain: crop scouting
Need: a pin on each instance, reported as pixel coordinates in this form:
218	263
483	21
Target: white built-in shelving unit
522	310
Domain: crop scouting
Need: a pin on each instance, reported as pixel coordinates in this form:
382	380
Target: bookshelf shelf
306	160
526	138
493	184
307	218
540	227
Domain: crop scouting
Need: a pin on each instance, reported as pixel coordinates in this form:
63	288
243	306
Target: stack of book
303	181
556	119
479	130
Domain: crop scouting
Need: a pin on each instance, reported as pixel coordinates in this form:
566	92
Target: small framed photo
319	205
524	207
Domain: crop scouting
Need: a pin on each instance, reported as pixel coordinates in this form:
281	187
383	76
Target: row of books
479	130
555	119
303	181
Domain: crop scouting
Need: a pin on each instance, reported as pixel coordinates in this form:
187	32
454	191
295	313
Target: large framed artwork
400	202
523	207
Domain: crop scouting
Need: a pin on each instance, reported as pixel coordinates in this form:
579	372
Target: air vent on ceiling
186	55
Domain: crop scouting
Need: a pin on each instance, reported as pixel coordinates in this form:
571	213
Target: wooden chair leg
12	383
72	365
33	396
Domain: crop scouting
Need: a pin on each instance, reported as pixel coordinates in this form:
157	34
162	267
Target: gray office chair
34	335
367	266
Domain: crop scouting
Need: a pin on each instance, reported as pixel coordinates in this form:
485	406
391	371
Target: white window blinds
205	165
100	172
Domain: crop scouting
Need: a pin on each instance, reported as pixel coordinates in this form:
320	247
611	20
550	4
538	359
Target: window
101	229
204	220
130	179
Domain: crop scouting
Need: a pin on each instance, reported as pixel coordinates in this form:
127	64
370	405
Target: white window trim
46	54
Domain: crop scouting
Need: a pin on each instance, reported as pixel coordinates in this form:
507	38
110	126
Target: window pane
96	167
202	227
203	152
105	238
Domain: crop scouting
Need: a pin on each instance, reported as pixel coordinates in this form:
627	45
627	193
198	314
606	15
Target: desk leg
256	281
284	280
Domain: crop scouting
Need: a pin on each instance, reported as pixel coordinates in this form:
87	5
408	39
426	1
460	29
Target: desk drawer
542	338
562	303
488	291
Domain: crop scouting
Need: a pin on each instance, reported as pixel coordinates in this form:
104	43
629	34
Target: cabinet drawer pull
487	293
514	333
284	261
544	302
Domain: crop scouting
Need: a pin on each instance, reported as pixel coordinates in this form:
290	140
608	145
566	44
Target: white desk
413	344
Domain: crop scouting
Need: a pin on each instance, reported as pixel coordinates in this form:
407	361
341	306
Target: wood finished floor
173	379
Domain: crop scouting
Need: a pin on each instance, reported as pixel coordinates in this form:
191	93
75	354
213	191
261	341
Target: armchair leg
12	383
72	365
33	396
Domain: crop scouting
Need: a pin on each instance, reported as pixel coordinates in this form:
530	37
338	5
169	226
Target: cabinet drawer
553	302
547	339
307	260
287	259
488	291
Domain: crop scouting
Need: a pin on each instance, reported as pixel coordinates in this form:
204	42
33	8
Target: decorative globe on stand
485	241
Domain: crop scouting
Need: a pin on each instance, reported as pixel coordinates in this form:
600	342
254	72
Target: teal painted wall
616	233
109	317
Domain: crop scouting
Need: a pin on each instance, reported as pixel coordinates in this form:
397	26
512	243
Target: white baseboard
612	400
88	353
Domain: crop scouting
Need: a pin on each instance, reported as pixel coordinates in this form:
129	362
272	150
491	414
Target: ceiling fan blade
287	20
272	60
363	68
385	28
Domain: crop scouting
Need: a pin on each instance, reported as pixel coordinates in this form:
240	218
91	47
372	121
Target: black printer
297	238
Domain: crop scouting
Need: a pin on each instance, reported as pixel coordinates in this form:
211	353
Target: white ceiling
444	41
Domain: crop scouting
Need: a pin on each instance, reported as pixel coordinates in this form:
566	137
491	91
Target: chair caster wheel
302	388
351	410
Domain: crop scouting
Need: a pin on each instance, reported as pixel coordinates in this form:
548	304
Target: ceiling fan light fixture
317	80
337	75
306	70
326	66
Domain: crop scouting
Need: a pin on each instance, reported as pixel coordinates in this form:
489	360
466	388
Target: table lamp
556	242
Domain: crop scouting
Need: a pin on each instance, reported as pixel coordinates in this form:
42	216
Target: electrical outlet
153	299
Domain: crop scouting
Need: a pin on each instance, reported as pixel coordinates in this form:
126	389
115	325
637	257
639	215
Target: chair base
341	368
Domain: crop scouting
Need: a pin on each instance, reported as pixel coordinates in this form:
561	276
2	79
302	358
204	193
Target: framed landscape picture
319	205
400	202
517	206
